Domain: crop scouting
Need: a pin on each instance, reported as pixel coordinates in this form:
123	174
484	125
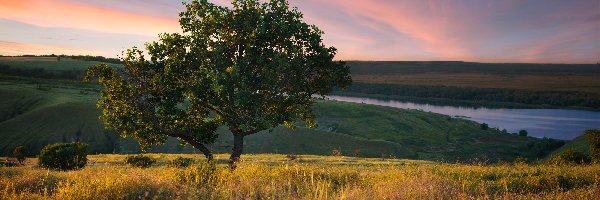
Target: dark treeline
97	58
550	98
77	57
420	67
41	73
542	148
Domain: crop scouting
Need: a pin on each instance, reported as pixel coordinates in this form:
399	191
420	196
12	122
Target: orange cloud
14	48
61	13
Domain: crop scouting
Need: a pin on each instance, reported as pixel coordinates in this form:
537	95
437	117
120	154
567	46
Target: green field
574	86
35	112
274	176
49	63
580	144
46	112
540	77
469	84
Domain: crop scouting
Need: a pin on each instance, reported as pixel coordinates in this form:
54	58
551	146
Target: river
553	123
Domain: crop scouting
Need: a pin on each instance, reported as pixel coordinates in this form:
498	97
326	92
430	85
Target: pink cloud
14	48
66	14
469	30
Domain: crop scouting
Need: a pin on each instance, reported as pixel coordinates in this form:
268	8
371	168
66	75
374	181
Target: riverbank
552	123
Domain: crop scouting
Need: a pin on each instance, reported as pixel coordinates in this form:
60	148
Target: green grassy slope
48	116
431	135
35	116
49	63
35	112
580	144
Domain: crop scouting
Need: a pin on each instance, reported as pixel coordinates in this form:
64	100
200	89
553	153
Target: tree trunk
207	153
237	150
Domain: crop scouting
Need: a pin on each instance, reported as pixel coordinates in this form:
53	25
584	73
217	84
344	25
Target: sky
532	31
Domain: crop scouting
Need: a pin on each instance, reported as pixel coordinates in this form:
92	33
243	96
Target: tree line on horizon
75	57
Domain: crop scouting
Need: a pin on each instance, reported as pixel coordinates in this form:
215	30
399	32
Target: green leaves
255	66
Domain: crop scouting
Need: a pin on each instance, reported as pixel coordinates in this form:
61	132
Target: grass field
580	144
573	86
553	77
273	176
49	63
39	112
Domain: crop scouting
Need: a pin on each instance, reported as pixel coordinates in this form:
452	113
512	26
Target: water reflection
552	123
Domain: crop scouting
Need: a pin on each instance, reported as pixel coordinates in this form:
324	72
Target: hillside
580	144
540	77
46	112
38	111
470	84
509	85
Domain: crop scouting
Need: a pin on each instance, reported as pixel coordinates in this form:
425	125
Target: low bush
291	156
484	126
140	161
357	153
594	140
19	153
569	157
336	152
523	133
63	156
520	160
181	162
8	163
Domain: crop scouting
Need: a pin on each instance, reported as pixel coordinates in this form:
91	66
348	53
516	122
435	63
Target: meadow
505	85
396	153
37	112
275	176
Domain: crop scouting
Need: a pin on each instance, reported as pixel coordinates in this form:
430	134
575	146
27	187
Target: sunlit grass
272	176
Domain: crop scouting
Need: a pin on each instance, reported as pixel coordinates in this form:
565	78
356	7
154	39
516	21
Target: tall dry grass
307	177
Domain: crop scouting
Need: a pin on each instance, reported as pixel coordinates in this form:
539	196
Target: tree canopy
251	67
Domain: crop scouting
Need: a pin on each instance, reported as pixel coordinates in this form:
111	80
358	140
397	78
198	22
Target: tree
594	141
251	67
523	133
19	153
484	126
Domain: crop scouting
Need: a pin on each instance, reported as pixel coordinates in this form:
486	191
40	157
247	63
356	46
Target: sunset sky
538	31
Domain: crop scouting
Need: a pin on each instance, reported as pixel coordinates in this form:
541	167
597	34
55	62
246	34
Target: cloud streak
7	48
484	30
82	15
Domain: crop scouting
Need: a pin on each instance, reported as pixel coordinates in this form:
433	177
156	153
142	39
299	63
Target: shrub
140	161
520	160
336	152
63	156
8	163
594	140
181	162
484	126
357	153
523	133
19	153
291	156
568	157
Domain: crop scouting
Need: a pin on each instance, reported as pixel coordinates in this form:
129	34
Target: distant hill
490	84
37	111
580	144
34	115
